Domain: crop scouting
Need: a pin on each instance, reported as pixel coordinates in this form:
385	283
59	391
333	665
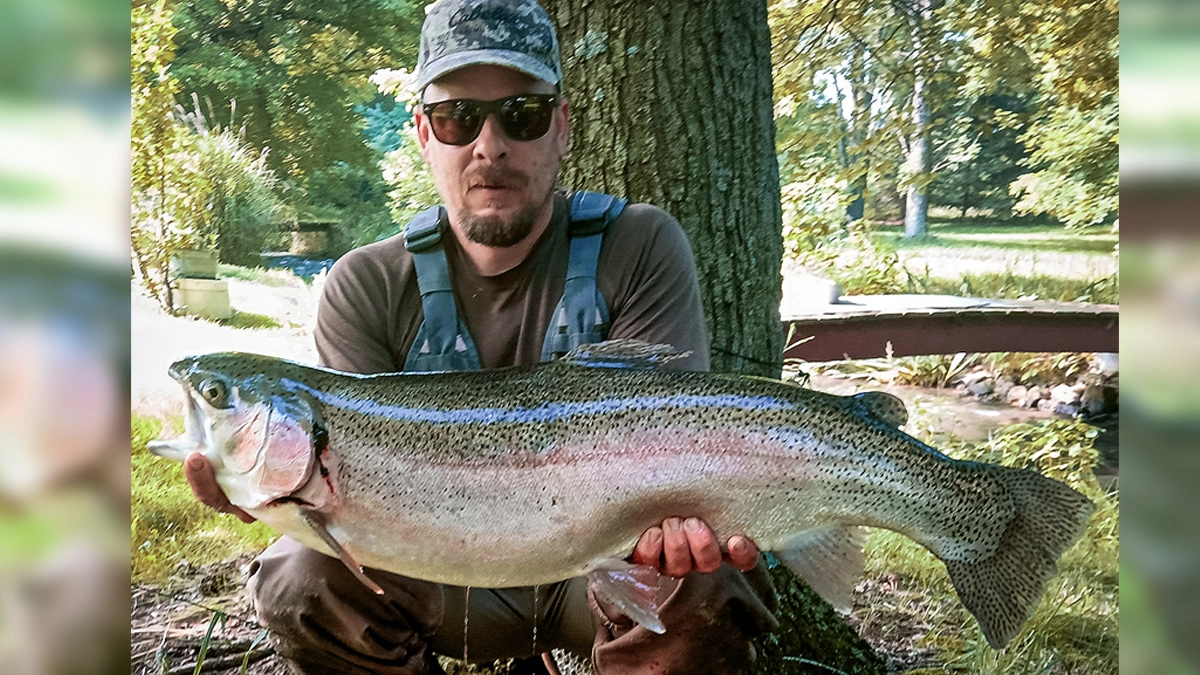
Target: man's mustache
496	176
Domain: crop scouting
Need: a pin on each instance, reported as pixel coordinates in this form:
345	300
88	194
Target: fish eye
215	392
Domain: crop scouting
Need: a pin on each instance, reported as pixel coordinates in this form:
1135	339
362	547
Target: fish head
260	435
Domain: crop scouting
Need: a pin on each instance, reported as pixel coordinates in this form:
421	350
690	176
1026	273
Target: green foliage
849	255
1076	155
156	142
235	188
1020	97
1032	368
297	68
354	197
413	189
168	525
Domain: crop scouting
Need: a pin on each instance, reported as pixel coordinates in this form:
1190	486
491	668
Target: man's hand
200	475
681	547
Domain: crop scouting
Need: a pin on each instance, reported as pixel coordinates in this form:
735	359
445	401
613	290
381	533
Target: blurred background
64	336
1160	335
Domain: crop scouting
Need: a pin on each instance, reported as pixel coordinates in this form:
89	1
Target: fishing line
751	359
535	618
466	618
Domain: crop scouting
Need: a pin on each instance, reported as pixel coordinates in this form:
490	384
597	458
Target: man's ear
563	134
422	132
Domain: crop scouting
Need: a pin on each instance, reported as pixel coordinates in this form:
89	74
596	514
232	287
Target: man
493	128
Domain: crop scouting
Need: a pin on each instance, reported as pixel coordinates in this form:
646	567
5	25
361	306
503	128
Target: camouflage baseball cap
512	33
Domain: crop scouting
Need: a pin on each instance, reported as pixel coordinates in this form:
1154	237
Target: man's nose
492	141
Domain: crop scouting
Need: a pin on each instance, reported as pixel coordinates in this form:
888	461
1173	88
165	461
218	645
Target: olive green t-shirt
370	309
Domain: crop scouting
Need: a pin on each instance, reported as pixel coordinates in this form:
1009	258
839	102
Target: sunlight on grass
250	320
169	526
258	275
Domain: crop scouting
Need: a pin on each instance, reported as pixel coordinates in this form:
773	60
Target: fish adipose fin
622	353
830	560
1003	590
885	407
317	523
631	589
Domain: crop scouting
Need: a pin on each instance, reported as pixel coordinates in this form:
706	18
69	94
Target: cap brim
490	57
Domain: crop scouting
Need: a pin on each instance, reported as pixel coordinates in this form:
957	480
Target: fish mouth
194	438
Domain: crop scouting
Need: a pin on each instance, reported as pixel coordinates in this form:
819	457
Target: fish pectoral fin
317	522
632	589
623	353
830	560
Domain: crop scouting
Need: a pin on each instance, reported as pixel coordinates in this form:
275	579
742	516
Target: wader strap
443	341
581	317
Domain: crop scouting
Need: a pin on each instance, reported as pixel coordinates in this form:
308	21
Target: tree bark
671	103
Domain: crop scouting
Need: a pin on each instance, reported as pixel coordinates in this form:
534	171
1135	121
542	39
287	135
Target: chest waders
581	317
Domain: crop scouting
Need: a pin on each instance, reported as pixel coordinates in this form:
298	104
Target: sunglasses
523	117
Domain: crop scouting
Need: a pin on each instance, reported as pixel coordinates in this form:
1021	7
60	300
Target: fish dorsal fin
830	560
885	407
623	353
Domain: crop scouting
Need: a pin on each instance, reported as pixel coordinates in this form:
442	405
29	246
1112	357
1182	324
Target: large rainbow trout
532	475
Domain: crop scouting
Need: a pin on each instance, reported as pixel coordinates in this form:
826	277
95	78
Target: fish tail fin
1003	590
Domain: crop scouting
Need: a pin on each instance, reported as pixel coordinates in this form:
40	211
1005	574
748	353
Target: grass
250	321
258	275
169	527
1031	238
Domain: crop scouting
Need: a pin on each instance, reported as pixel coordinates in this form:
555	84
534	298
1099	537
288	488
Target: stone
1016	395
1032	397
1065	394
980	388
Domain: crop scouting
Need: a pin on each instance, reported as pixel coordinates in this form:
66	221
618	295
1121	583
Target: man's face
495	188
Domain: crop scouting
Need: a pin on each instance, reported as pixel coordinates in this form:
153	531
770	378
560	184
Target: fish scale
531	475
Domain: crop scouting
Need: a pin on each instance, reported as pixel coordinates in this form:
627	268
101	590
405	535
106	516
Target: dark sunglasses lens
455	122
525	118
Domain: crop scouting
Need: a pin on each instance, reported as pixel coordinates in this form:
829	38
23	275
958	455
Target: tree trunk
919	159
671	103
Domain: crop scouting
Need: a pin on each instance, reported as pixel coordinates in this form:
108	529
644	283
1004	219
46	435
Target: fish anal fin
317	522
1003	590
830	560
885	407
631	589
623	353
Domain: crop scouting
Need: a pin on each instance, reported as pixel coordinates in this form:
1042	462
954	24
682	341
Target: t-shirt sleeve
351	332
655	296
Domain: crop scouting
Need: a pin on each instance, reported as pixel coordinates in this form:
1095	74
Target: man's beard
497	232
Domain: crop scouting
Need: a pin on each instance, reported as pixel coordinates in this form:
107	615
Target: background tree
299	73
672	104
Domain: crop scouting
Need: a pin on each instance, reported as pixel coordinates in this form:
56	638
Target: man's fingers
743	553
677	554
649	548
706	553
